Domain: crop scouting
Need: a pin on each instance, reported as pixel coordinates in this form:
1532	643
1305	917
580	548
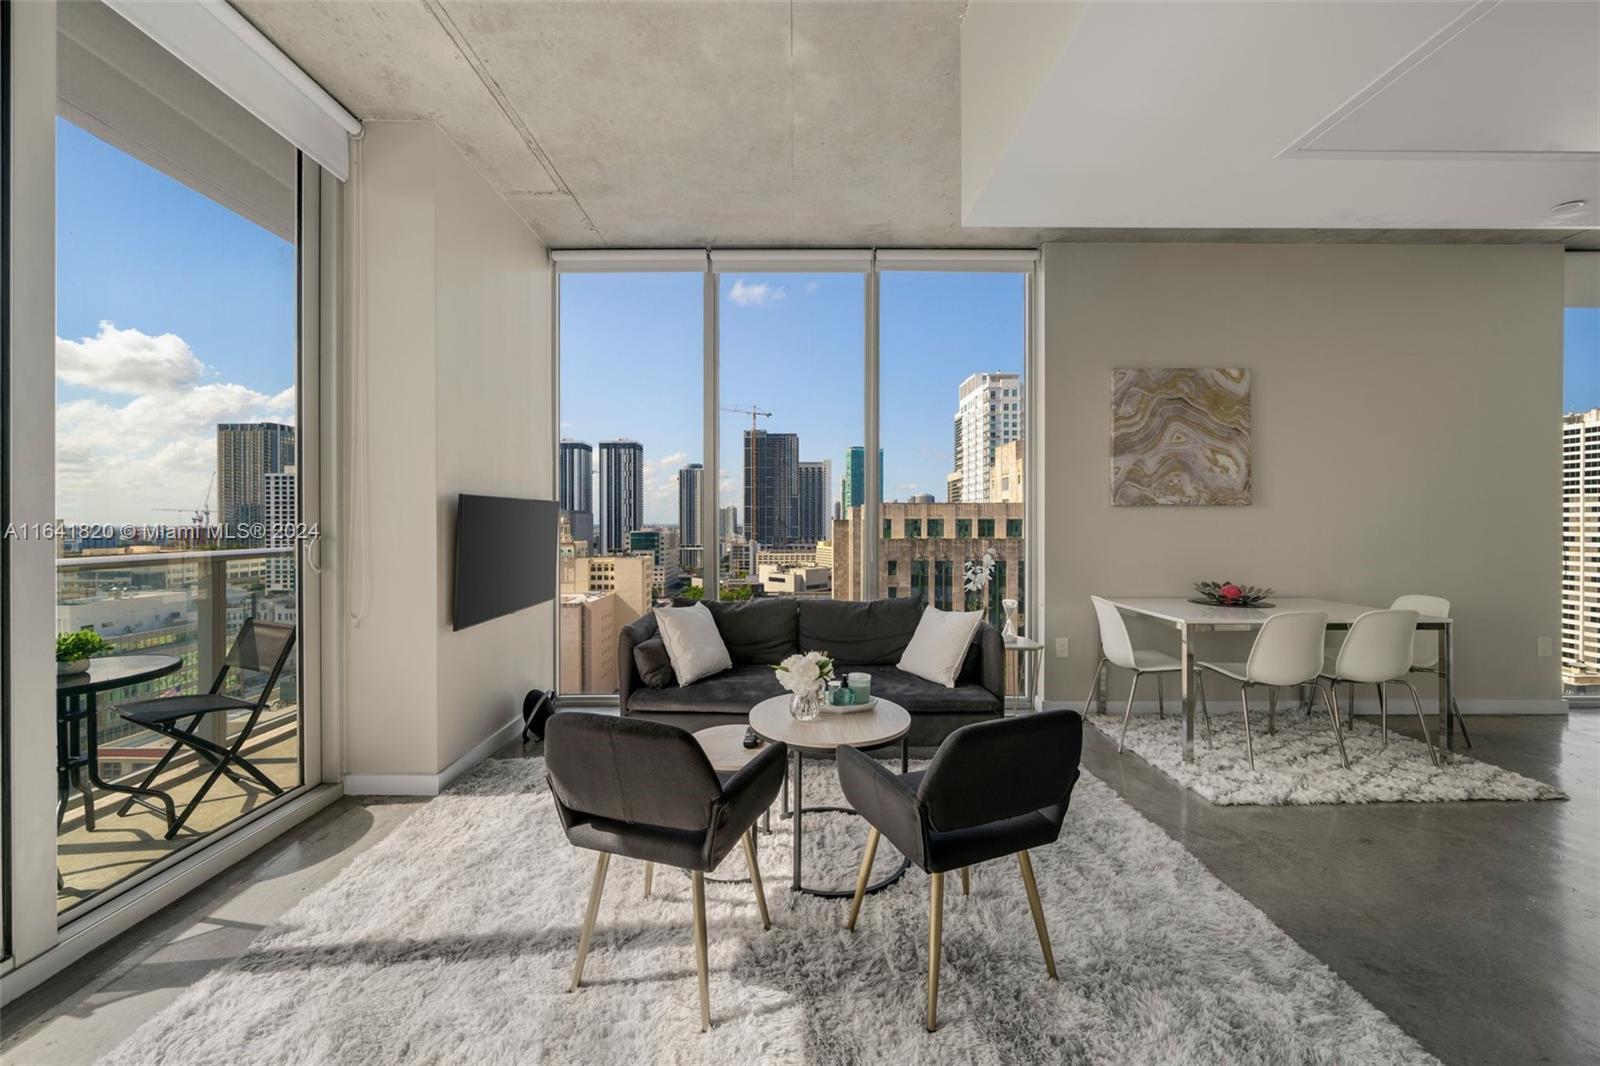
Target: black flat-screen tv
505	556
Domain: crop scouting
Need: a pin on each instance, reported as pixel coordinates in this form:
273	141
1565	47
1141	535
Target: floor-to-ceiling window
952	356
869	420
631	479
791	358
178	457
1580	486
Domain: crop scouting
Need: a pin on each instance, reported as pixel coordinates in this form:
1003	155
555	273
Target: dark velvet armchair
643	790
992	789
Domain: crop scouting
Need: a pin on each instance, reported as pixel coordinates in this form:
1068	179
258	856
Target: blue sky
173	313
1582	334
791	344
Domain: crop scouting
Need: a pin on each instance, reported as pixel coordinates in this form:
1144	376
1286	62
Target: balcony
188	605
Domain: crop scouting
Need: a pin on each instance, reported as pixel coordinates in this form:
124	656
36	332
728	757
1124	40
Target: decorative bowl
1230	594
75	666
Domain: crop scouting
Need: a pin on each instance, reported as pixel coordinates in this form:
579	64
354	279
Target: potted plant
806	677
73	650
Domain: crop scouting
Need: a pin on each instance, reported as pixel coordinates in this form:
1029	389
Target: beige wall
457	400
1405	409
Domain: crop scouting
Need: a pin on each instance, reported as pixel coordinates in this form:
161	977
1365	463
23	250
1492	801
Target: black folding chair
260	647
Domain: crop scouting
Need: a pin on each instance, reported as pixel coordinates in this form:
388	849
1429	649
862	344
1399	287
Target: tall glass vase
1010	630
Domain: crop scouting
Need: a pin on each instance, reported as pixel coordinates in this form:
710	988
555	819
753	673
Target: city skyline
936	330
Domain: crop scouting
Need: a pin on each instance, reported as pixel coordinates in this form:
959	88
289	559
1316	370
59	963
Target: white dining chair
1377	651
1288	651
1116	649
1425	646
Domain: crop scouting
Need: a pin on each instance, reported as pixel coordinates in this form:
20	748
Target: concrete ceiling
652	124
1441	114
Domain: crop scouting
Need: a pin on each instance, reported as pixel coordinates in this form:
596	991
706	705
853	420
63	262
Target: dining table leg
1186	671
1446	726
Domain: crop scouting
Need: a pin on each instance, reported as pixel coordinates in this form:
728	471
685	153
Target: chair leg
935	933
700	961
1383	714
161	764
1422	721
862	878
1161	696
1272	710
588	918
1350	709
1132	688
1205	708
755	876
1455	709
1094	687
966	881
1249	744
1333	720
649	878
1026	865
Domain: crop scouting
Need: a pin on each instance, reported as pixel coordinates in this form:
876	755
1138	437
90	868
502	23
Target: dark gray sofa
860	635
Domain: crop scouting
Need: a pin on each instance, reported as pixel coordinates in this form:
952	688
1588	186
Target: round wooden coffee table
824	735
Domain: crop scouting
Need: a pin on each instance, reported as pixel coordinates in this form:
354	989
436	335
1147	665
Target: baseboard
432	784
1364	705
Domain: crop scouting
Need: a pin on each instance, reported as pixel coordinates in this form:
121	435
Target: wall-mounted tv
505	556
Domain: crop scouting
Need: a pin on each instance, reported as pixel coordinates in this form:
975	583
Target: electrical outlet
1545	650
1061	647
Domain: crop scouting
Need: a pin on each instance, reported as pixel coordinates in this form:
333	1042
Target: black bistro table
78	727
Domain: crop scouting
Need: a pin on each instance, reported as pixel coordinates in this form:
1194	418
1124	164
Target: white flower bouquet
806	676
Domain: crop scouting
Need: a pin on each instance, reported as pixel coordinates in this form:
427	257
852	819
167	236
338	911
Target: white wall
453	291
1406	407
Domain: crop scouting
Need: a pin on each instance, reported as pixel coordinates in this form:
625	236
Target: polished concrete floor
1476	926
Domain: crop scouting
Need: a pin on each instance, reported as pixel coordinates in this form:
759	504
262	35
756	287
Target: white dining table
1191	618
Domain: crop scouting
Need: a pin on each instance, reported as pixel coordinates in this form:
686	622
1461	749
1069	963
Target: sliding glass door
181	452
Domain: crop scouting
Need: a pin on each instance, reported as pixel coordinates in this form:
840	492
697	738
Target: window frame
871	264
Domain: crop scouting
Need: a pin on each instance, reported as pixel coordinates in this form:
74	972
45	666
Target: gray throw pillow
654	665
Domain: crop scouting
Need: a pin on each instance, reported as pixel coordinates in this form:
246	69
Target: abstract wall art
1180	437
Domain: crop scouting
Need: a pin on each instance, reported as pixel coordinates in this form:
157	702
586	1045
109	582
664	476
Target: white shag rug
452	940
1299	764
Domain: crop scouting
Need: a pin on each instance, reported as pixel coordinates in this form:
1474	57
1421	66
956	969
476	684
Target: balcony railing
187	604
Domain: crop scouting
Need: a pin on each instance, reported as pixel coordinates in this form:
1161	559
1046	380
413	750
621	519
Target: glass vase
805	706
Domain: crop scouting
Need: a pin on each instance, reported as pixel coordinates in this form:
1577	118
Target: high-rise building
815	491
621	503
988	414
854	486
727	522
924	550
771	486
1005	481
279	495
1580	548
629	576
575	486
246	453
691	501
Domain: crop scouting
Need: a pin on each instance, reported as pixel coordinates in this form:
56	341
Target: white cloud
759	294
128	361
811	286
128	461
661	486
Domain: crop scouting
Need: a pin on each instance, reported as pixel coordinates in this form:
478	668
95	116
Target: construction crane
200	516
751	458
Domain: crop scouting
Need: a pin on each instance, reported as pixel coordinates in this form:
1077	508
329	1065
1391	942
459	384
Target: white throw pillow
693	643
940	644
